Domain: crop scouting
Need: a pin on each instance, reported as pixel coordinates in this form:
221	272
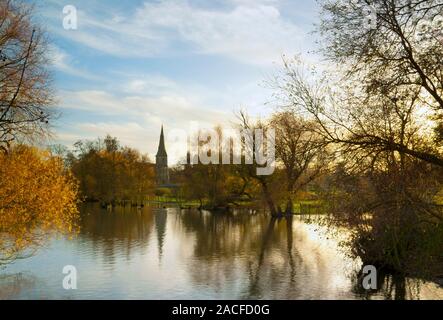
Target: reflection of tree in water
12	286
160	228
389	287
121	230
219	240
281	258
223	235
284	258
229	245
283	272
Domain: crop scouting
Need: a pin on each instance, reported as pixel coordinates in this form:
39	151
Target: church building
161	163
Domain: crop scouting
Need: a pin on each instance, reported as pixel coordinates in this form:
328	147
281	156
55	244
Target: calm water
173	254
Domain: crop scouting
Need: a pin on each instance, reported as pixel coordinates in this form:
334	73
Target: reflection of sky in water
159	254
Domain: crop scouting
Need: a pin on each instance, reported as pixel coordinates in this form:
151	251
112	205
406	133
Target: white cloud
171	108
131	134
148	84
253	32
63	62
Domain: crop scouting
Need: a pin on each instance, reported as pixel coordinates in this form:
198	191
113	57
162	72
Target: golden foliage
110	173
37	198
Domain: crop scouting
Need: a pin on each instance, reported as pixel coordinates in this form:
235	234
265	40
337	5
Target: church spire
161	147
161	162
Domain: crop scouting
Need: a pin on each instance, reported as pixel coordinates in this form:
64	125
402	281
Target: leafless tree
299	148
25	83
249	171
364	127
399	56
392	167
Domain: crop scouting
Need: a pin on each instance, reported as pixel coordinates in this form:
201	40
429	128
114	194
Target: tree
358	124
391	173
214	185
270	186
37	198
377	116
398	59
299	148
110	173
25	85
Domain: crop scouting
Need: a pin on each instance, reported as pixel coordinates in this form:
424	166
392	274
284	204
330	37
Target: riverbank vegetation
380	113
110	173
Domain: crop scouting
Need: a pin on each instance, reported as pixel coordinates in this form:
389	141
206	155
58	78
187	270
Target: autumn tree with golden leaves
37	195
110	173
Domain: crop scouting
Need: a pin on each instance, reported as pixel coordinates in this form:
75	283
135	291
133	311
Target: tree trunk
269	199
289	208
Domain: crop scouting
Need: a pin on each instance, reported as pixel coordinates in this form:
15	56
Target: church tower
161	163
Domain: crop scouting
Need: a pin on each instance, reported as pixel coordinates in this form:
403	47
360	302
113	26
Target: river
184	254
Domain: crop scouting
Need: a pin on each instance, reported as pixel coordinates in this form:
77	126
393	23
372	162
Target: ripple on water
172	254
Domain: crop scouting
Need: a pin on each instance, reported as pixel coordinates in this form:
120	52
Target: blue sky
134	65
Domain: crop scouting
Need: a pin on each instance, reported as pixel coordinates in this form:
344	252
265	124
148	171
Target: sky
131	66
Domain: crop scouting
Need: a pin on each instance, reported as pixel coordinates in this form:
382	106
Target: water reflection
160	228
116	233
14	284
183	254
397	287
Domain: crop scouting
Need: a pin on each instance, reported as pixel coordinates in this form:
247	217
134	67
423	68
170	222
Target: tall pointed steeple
161	146
161	162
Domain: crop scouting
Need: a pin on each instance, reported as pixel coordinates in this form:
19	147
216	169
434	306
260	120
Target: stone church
161	163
